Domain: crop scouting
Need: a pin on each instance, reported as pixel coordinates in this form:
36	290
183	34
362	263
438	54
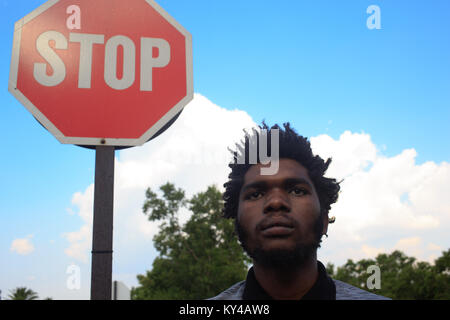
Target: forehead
287	168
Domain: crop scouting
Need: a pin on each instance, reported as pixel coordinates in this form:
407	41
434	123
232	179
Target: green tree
441	269
442	264
196	260
23	293
402	277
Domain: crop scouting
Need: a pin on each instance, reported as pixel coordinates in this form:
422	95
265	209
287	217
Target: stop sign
103	72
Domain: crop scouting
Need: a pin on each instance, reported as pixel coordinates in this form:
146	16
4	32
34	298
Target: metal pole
102	235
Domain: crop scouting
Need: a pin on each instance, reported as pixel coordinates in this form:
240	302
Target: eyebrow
286	183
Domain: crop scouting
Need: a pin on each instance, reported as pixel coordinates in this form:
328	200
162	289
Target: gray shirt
344	291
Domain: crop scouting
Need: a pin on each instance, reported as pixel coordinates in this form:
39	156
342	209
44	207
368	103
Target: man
280	219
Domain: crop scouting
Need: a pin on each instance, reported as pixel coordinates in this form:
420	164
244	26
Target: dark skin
278	211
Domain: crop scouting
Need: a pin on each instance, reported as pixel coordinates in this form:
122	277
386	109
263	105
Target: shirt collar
323	289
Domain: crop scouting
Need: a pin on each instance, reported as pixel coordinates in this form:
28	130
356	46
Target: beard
282	259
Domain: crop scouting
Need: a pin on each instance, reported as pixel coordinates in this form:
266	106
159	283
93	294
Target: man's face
279	221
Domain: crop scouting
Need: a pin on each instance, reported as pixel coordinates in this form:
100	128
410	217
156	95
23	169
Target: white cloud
434	247
80	243
81	240
192	154
412	246
386	203
371	251
22	246
351	153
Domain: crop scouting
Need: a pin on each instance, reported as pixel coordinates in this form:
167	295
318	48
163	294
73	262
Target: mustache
284	220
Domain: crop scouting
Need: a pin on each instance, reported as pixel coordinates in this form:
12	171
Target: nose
277	201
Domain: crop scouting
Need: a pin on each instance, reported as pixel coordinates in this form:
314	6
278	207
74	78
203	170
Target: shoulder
234	292
345	291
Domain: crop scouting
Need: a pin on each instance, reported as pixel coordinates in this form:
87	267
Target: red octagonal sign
103	72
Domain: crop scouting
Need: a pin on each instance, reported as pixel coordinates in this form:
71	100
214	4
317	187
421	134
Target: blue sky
313	63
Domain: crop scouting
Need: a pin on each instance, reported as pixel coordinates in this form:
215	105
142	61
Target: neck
290	284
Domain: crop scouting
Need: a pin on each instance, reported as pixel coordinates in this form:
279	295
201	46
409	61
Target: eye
255	195
298	191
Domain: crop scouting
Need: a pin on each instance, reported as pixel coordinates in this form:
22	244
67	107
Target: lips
266	224
274	228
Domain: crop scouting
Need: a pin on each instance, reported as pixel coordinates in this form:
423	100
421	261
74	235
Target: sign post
102	235
104	74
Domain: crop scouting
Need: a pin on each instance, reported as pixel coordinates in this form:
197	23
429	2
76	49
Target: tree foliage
23	293
196	260
402	277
